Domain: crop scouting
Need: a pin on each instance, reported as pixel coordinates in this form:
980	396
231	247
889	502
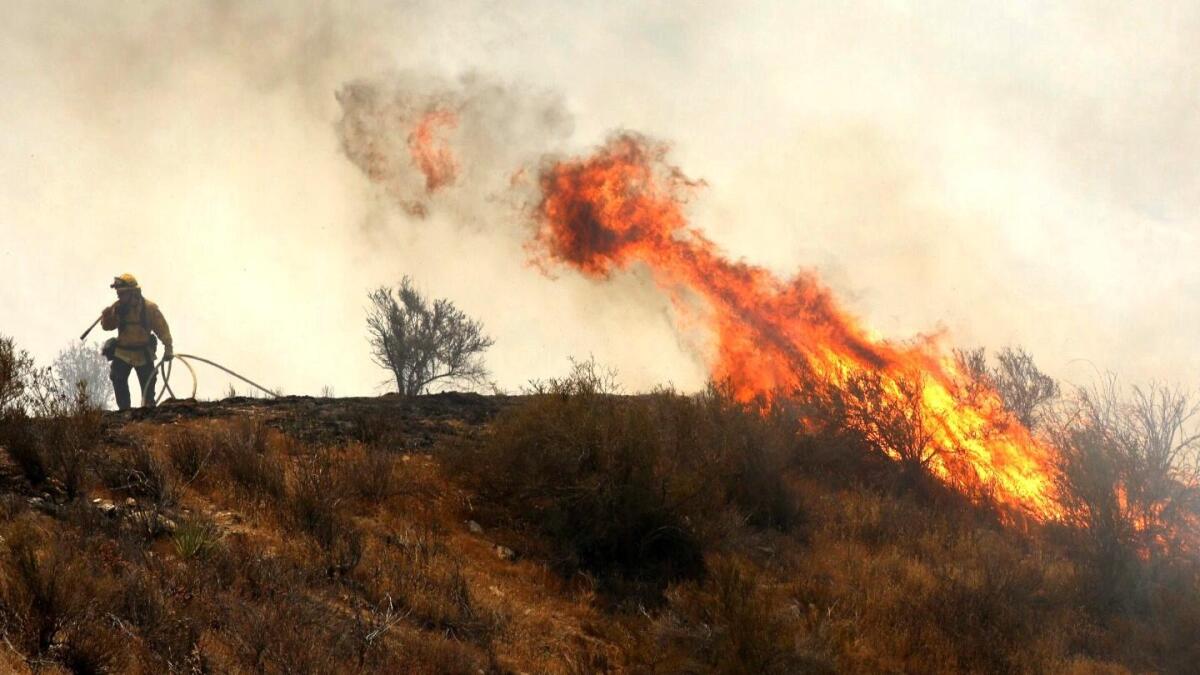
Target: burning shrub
625	206
1025	390
892	417
1129	473
870	413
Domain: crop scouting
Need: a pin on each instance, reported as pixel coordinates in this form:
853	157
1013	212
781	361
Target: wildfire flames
624	206
430	151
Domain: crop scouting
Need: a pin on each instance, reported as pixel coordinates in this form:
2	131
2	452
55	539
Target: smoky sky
1010	174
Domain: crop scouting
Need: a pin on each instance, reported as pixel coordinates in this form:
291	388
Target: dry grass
630	491
660	533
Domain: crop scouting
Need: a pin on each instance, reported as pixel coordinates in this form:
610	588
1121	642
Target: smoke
468	236
1012	175
188	143
463	142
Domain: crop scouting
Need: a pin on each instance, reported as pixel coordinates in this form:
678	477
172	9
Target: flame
431	152
623	206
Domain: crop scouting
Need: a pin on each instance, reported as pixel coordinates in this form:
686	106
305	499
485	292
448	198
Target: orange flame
430	151
624	206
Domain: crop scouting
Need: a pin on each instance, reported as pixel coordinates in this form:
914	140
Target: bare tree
1090	475
1129	470
1023	388
423	343
1162	449
81	367
891	416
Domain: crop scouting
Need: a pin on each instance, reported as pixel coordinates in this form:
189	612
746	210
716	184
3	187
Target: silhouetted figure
137	322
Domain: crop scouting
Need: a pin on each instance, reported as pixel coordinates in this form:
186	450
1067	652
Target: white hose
166	372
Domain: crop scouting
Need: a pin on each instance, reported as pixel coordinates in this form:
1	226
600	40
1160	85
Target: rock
505	553
230	516
106	507
44	506
474	527
154	523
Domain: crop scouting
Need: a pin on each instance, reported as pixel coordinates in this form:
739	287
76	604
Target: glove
168	354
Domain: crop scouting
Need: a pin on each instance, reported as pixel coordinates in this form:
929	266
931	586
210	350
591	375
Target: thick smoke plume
460	143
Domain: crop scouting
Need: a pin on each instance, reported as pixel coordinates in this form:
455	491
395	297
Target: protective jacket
134	323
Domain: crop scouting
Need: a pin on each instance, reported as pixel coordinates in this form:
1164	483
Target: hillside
565	532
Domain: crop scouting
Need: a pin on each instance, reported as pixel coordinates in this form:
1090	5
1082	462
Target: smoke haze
1013	175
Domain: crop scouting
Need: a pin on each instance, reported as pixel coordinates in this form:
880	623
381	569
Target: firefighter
137	321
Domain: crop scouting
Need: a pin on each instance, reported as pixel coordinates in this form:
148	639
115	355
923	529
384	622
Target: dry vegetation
567	531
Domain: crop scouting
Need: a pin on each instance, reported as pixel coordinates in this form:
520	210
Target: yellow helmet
124	282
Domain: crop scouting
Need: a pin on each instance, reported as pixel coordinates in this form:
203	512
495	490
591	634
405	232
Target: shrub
1128	471
20	441
81	365
368	473
586	471
318	492
44	589
1024	389
315	497
15	368
138	471
67	447
731	623
626	489
190	451
416	573
251	463
94	645
171	632
60	443
196	537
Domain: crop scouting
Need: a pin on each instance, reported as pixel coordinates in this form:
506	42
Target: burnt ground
413	422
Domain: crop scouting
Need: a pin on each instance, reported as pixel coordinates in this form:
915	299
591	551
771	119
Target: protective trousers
119	374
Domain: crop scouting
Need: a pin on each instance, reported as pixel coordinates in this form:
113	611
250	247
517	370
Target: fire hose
164	367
